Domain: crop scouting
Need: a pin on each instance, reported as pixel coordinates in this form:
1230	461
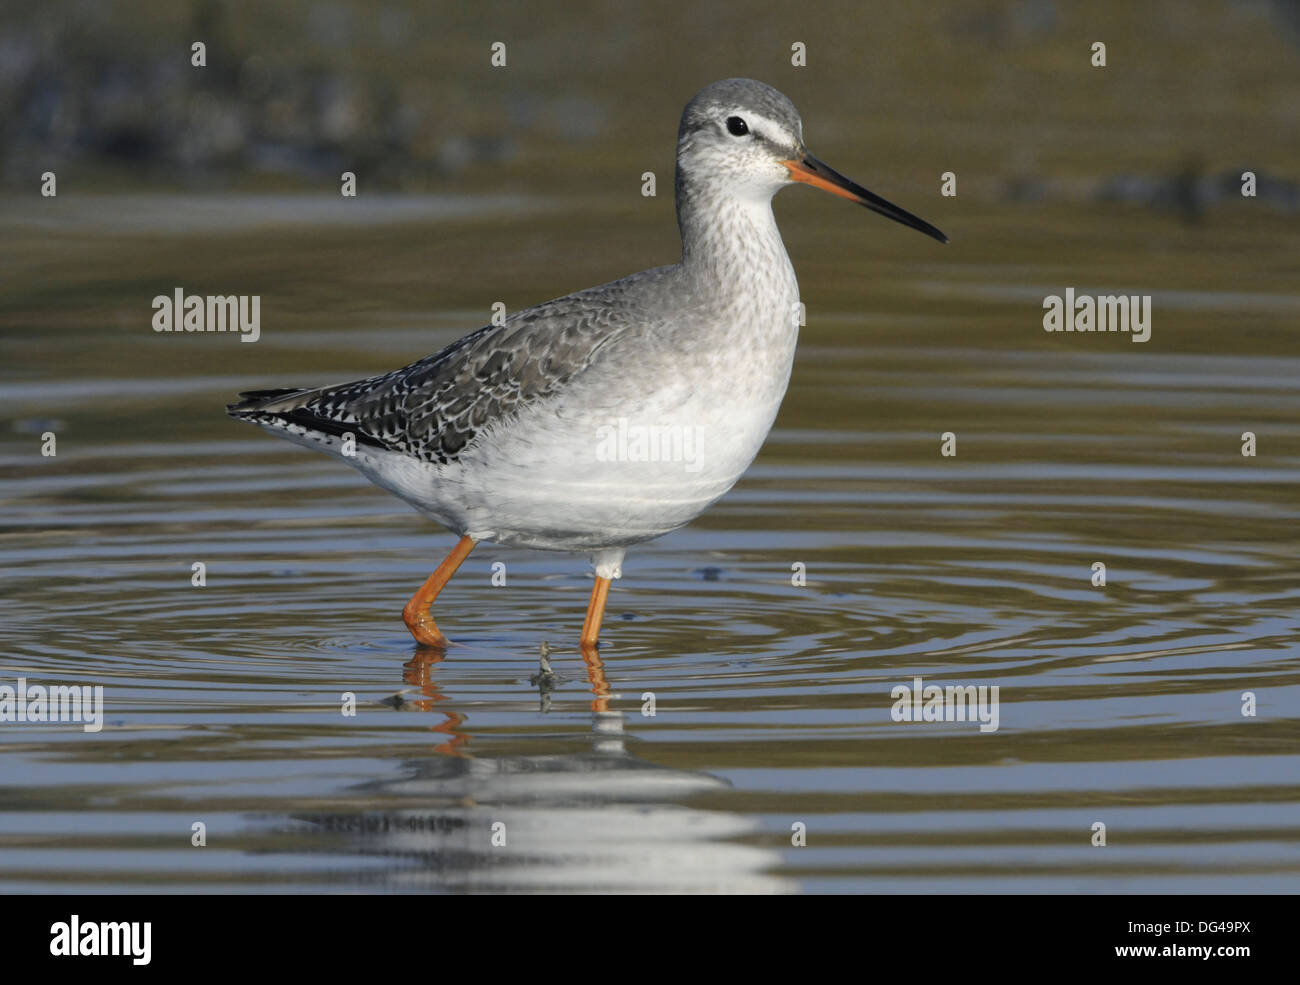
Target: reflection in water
596	820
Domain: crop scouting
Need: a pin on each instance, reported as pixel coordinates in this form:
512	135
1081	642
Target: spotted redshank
614	415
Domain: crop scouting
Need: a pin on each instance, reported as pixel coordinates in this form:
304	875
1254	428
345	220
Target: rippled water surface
1119	704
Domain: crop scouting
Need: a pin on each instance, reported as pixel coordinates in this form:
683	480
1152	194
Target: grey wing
433	408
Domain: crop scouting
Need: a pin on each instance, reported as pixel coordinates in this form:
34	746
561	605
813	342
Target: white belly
620	467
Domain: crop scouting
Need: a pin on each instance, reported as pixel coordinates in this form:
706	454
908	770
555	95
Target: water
1119	704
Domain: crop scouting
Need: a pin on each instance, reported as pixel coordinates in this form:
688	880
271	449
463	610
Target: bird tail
298	409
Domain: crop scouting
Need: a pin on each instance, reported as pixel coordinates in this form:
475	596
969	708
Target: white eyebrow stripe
769	129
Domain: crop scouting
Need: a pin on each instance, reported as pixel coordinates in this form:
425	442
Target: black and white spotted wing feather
433	408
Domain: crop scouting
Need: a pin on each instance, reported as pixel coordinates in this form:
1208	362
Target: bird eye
736	126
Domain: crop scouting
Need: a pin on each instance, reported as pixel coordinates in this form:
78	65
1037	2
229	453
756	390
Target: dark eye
736	126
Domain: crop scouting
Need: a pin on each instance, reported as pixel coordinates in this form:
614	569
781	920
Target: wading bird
504	435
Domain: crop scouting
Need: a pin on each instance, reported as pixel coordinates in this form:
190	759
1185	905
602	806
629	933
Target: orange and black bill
813	172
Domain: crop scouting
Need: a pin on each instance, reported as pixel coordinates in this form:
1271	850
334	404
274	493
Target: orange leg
595	613
416	615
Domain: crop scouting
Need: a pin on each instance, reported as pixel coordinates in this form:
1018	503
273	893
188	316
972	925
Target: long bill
813	172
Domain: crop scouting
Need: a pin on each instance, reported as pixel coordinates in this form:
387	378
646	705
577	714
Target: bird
611	416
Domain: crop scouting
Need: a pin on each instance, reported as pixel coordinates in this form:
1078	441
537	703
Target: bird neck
730	241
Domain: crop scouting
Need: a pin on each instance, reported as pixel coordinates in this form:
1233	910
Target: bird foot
425	630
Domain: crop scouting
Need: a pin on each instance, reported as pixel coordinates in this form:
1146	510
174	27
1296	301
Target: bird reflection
417	673
596	819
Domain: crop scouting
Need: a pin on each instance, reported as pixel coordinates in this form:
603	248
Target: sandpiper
611	416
